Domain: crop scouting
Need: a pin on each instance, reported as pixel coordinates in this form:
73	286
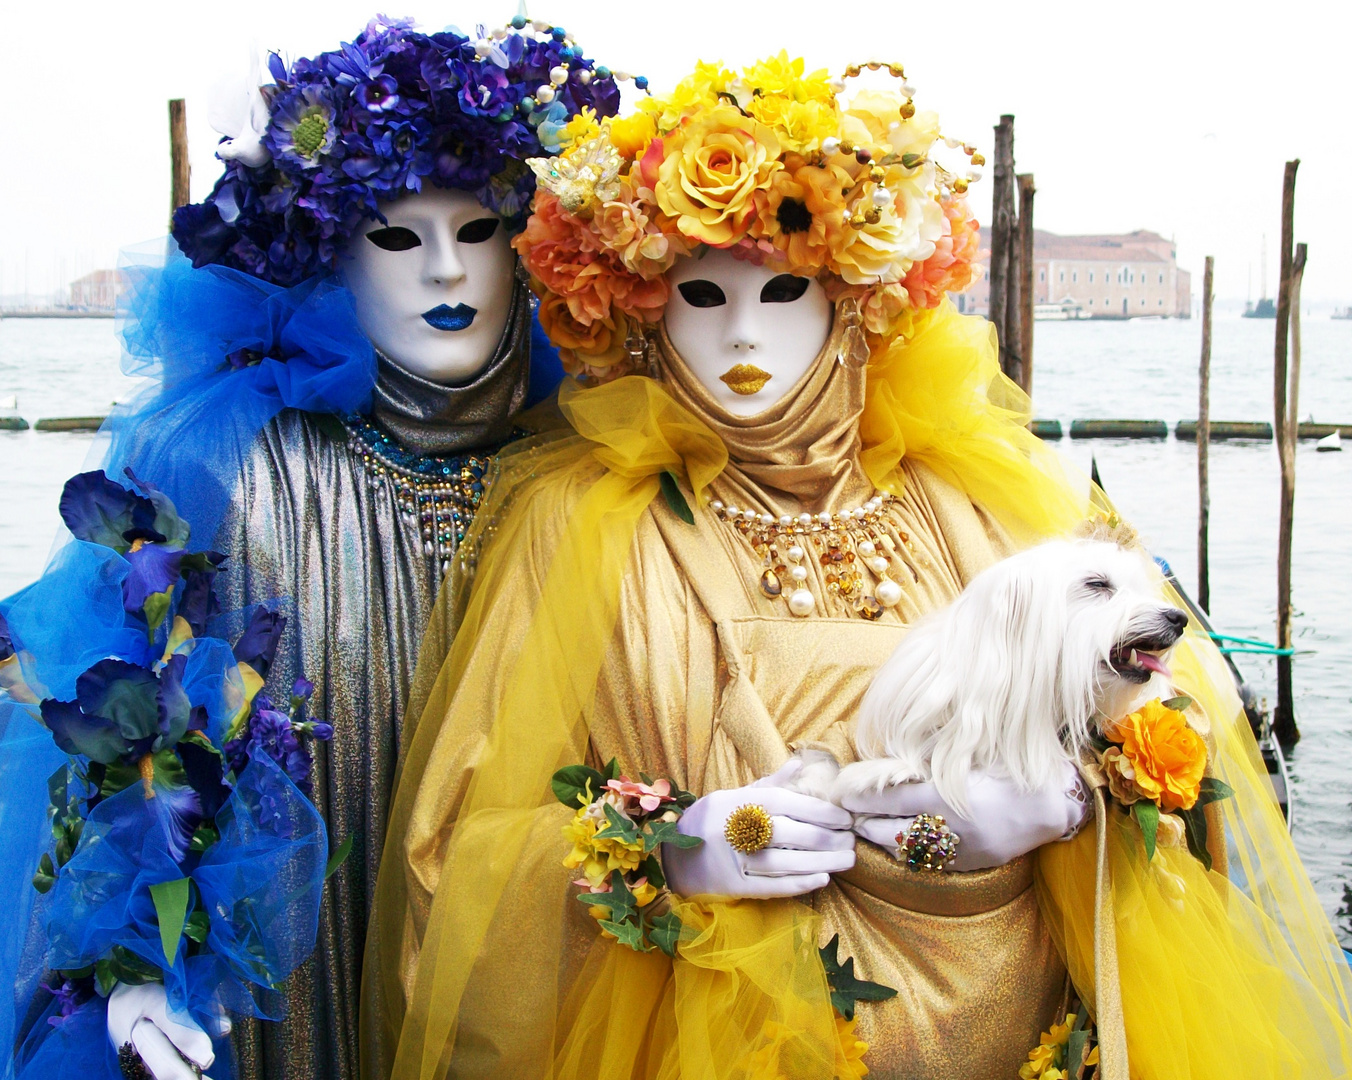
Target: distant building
97	291
1126	276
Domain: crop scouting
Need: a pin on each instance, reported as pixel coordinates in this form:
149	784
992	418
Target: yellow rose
906	232
1167	757
645	894
707	183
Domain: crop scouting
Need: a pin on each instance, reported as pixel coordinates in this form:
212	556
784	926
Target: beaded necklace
440	493
845	543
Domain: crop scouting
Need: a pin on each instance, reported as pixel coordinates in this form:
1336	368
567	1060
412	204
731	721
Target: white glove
139	1015
811	840
1004	824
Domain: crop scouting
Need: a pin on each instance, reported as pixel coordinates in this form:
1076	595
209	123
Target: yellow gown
599	624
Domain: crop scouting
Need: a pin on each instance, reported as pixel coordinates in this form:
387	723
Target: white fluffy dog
1012	677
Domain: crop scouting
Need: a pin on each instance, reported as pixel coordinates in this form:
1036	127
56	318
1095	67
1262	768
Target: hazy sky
1174	116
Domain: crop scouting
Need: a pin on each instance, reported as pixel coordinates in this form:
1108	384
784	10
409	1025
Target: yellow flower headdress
771	163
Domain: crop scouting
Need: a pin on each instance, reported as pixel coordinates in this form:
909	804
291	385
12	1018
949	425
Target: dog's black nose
1176	619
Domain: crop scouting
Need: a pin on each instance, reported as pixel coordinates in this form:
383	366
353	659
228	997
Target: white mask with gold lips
434	284
748	333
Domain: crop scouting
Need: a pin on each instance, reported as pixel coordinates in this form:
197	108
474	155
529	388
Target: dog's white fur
1012	677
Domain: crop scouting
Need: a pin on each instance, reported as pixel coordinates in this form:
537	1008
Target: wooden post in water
1204	446
1027	294
1284	429
1002	241
180	169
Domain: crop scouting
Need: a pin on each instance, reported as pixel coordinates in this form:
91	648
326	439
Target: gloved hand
139	1015
1004	822
811	840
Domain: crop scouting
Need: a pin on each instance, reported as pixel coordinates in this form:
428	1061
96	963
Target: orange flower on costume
593	350
628	228
953	266
802	214
1167	758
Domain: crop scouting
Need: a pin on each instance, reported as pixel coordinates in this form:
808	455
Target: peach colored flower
629	229
1121	776
1166	756
709	175
593	350
648	796
802	213
953	266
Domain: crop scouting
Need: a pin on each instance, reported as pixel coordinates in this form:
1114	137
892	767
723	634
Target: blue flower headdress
379	117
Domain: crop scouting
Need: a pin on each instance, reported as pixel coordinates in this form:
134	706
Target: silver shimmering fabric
310	528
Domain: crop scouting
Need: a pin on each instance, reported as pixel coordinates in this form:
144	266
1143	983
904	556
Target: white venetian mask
747	332
434	285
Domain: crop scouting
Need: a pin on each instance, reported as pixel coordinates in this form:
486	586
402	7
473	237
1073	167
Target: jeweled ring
929	844
749	829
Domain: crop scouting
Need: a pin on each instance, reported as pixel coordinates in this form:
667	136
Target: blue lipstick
444	317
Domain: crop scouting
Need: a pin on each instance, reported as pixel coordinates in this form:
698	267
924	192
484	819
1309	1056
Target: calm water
1142	370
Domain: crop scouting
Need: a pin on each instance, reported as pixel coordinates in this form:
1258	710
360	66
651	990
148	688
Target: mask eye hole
1099	586
783	289
701	293
394	238
477	231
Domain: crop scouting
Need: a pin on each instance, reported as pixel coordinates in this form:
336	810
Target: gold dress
709	682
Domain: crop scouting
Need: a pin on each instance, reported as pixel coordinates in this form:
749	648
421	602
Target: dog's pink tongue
1151	663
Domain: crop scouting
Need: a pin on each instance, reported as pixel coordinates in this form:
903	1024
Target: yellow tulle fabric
1203	967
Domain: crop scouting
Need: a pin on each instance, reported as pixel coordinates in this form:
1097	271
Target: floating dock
1185	430
70	423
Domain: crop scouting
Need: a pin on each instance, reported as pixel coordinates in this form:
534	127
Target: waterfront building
1128	275
96	291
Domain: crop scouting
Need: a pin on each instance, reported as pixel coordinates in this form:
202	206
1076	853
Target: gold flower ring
929	844
749	829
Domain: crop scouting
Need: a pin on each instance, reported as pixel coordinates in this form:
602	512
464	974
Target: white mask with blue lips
433	285
748	333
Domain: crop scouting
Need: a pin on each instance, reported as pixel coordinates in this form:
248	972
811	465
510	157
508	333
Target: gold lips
745	378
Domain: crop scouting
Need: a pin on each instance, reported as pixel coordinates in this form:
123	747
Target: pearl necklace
844	543
440	493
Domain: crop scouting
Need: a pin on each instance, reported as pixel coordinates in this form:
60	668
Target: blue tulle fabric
227	352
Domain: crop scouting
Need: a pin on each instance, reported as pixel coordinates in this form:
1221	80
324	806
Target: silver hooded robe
321	522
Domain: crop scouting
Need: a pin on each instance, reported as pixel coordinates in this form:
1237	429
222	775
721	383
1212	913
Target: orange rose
1166	757
593	350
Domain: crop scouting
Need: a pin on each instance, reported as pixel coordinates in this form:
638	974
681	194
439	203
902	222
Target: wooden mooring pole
1027	296
180	169
1204	445
1003	250
1285	429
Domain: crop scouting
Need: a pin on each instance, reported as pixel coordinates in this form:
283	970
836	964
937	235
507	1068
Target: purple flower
68	996
270	733
303	128
257	646
7	642
380	95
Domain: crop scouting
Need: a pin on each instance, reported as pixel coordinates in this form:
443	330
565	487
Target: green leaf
205	835
665	932
330	425
171	909
129	968
1076	1049
627	933
338	857
45	877
909	161
1147	816
156	608
197	926
104	979
846	990
660	832
576	785
1194	827
652	870
620	827
671	491
1213	790
611	771
1179	704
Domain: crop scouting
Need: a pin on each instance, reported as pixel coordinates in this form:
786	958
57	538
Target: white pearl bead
558	75
844	515
907	89
951	142
805	520
837	86
895	125
749	515
482	49
766	519
974	174
888	593
584	77
621	76
824	517
795	554
801	602
830	144
732	511
881	197
715	505
878	564
866	548
544	95
500	34
859	513
539	24
785	521
798	573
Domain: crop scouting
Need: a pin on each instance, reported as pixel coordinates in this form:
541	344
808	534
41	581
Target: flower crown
769	164
334	136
